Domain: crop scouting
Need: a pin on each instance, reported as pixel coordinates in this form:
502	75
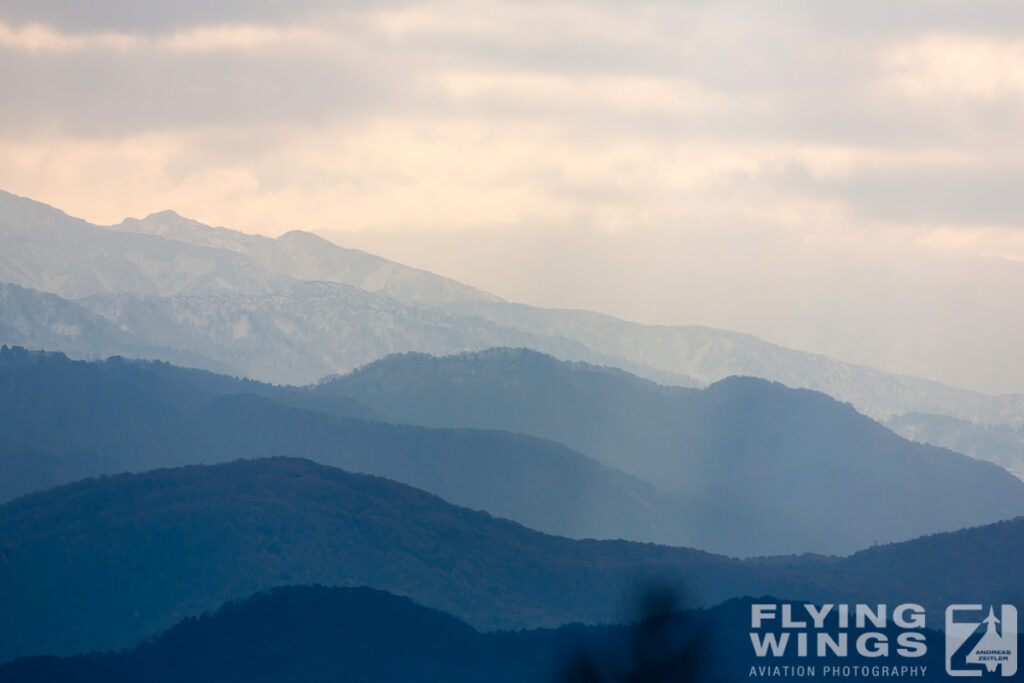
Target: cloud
973	194
39	38
158	16
791	131
942	68
992	242
36	38
620	114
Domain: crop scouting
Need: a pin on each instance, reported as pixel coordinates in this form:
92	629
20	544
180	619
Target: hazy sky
841	177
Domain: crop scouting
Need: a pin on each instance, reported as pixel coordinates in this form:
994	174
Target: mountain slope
303	634
1002	444
975	563
166	254
303	332
755	447
101	563
709	355
61	420
45	249
305	256
39	320
737	465
296	335
104	563
314	634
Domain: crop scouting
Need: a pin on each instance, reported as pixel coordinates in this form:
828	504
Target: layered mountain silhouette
308	634
707	355
39	320
737	466
200	286
975	564
305	256
828	478
103	563
1002	444
45	249
741	467
61	420
305	331
321	634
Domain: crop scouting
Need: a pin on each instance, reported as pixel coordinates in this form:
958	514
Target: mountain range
753	446
62	420
305	256
566	448
102	563
454	433
237	302
317	634
105	563
1002	444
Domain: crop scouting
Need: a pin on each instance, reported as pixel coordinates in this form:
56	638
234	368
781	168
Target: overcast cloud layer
840	177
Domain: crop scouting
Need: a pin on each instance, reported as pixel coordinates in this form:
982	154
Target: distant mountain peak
302	255
165	215
170	223
308	238
745	384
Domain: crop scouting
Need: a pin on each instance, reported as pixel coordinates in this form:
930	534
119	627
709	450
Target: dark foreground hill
829	479
61	420
103	563
323	635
